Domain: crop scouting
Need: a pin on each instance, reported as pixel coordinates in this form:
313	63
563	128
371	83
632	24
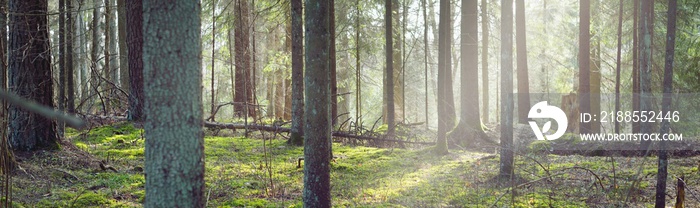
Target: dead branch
342	134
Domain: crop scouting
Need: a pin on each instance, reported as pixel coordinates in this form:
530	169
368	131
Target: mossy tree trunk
317	125
174	138
29	73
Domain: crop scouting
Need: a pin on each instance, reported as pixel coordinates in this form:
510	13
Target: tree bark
333	63
523	78
111	11
662	175
29	73
175	145
469	126
95	51
317	125
645	101
584	57
134	20
485	60
61	62
617	65
123	52
635	64
297	74
444	123
243	87
70	82
506	161
389	70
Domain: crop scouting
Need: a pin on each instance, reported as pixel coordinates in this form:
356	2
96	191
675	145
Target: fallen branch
342	134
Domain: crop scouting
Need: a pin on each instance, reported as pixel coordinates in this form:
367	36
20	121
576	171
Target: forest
355	103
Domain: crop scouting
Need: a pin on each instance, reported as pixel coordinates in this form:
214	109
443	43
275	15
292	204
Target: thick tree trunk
662	175
389	70
175	147
523	78
296	137
584	64
506	161
134	19
317	125
444	123
29	73
397	62
243	87
469	126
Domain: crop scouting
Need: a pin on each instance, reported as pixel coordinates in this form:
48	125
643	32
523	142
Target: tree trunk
134	21
469	126
111	11
389	70
29	73
95	51
426	55
523	79
213	62
397	62
175	147
444	125
243	86
317	127
666	104
506	161
70	82
61	63
617	66
358	67
108	67
595	75
584	57
645	101
485	60
635	64
333	63
81	41
123	52
296	137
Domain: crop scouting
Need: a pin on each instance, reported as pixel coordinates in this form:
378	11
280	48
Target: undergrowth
256	172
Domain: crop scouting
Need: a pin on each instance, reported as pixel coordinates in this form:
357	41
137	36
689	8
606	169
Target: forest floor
256	172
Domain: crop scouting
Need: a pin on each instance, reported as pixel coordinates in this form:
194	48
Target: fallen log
341	134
